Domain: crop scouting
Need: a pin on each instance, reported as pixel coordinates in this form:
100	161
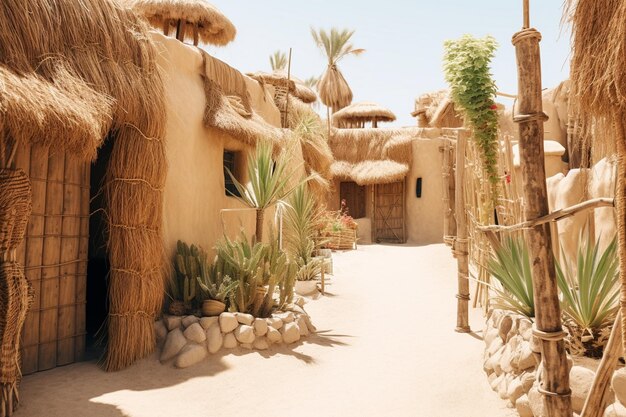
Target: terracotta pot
212	308
306	287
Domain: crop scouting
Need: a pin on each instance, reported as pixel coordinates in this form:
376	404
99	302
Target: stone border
187	340
512	362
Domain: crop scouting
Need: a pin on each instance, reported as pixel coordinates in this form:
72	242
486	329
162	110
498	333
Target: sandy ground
386	347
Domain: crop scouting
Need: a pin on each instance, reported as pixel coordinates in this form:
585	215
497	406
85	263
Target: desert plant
269	181
591	293
466	68
333	88
278	60
187	268
214	281
510	265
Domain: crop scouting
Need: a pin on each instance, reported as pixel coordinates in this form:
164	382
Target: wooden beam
460	244
552	217
555	379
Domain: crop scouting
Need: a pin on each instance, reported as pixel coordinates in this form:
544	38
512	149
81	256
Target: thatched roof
65	115
228	108
213	27
99	54
279	78
436	109
365	111
371	156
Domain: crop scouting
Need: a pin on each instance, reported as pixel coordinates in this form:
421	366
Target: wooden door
389	213
354	196
54	255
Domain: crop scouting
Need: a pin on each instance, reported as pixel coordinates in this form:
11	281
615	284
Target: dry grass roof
371	156
365	111
279	78
213	27
437	110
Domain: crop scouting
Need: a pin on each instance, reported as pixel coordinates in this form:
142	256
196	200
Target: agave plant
270	181
333	88
510	265
591	292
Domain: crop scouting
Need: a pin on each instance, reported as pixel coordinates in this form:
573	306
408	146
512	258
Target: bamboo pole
595	402
555	379
460	244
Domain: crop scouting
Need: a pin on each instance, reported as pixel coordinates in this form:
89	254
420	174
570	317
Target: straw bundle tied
598	92
212	26
333	89
15	293
372	156
100	45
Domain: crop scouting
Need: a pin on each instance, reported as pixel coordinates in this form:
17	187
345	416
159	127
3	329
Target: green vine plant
473	90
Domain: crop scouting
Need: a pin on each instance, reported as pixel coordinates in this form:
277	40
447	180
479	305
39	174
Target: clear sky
403	41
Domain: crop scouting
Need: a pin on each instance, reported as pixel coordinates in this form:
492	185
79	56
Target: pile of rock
513	365
187	340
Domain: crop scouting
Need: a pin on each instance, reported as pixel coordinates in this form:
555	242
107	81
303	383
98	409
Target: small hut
193	20
285	86
436	109
357	114
369	170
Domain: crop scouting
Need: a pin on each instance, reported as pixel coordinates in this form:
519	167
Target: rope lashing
538	116
464	297
526	33
543	391
548	336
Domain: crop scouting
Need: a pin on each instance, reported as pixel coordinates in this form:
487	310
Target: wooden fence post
555	380
460	243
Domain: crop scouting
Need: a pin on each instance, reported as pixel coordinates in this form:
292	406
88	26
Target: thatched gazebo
194	20
357	114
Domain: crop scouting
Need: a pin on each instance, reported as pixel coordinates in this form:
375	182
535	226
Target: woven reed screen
54	255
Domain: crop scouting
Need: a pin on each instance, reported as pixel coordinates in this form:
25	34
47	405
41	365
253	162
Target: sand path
386	348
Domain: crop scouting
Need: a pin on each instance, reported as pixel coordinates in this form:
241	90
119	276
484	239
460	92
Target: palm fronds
278	60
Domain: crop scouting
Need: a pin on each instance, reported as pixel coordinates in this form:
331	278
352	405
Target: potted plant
215	285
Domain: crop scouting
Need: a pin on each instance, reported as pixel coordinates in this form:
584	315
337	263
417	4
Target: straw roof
99	54
436	109
371	156
228	108
65	115
213	27
279	78
365	111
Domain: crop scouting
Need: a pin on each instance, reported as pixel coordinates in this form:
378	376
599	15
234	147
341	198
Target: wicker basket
341	240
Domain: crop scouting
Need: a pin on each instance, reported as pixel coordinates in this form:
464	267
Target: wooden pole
180	29
286	122
460	244
595	402
196	35
555	379
166	27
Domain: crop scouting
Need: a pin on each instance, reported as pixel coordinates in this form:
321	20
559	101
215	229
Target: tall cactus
187	271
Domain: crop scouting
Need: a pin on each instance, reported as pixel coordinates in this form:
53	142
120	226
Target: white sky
403	41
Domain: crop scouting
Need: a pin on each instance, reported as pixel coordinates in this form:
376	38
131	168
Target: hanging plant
466	68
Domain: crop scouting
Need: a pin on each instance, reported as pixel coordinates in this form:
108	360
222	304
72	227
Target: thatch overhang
65	114
296	87
436	109
371	156
365	111
198	18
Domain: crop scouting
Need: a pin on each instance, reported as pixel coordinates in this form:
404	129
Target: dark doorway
354	196
98	265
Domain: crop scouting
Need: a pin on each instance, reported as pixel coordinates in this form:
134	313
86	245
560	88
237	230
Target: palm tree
312	82
333	88
278	60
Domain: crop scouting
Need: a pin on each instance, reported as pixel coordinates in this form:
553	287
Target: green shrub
510	265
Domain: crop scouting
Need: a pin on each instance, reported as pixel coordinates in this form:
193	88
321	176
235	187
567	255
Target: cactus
214	283
187	270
